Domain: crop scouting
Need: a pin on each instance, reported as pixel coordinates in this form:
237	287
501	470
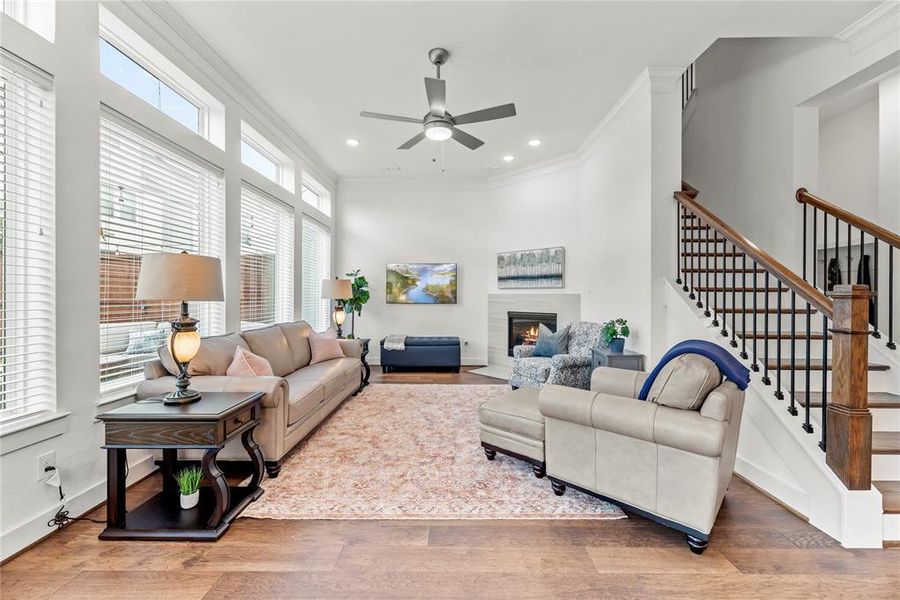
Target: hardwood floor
758	550
465	377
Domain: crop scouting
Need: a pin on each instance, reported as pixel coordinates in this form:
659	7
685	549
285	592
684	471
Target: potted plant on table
614	333
189	485
360	286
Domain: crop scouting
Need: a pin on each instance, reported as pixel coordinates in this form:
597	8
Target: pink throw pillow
247	364
324	346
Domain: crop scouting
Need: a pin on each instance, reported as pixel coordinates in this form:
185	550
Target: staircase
817	347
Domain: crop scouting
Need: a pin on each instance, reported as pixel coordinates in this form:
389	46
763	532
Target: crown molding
872	26
233	84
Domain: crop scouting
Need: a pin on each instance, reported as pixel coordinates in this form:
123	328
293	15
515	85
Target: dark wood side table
602	357
364	342
208	424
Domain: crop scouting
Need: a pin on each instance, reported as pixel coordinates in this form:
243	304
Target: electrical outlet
47	459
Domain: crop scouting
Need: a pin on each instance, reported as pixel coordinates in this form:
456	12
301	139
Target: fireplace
522	327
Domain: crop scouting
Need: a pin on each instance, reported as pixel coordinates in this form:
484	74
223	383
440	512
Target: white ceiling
564	64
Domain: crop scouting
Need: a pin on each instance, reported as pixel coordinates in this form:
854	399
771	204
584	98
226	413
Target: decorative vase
617	345
190	500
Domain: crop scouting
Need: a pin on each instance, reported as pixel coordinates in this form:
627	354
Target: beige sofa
669	458
297	398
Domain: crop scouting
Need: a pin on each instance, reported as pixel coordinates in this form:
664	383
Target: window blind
267	259
316	247
154	197
27	240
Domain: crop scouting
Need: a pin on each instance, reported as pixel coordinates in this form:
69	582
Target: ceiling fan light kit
438	124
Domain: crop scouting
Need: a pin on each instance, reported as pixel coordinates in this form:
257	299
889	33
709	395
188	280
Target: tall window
27	240
154	197
316	267
267	260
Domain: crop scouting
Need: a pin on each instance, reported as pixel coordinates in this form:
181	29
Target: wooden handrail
889	237
790	279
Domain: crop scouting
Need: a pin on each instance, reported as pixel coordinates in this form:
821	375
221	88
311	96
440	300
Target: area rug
412	452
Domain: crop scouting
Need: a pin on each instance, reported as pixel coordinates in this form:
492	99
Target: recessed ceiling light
352	142
534	143
508	158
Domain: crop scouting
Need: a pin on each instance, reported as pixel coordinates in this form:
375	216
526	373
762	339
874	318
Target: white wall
72	432
848	159
597	204
752	138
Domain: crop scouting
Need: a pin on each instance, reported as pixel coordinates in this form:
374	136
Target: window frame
284	165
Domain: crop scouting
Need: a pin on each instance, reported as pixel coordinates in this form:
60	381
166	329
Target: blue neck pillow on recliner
728	365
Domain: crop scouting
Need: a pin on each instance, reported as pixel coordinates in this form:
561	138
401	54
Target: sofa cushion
685	382
515	412
215	355
270	343
334	375
297	335
324	346
247	364
303	397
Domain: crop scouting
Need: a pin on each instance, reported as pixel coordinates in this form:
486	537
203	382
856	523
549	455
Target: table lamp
337	289
181	277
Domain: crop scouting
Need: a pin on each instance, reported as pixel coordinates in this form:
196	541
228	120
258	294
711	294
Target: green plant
354	305
189	480
617	328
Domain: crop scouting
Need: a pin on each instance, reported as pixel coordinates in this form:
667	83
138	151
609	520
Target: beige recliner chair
668	458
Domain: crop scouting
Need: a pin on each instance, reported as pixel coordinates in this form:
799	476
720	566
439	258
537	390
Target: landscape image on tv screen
421	283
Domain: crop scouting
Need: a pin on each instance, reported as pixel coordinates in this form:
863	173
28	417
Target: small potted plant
189	485
614	333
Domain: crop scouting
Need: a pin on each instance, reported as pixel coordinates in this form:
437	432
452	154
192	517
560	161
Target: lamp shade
180	277
336	289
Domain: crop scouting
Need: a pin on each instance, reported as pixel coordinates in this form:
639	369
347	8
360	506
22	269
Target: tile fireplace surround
566	306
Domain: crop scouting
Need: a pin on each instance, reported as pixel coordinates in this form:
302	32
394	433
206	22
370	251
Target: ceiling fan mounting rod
438	57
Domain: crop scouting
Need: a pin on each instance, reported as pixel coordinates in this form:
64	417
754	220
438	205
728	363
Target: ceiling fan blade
373	115
487	114
469	141
412	141
436	90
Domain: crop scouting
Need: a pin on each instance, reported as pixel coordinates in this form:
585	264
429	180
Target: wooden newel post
849	422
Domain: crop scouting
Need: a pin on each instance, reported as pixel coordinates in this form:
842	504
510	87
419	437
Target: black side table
364	342
602	357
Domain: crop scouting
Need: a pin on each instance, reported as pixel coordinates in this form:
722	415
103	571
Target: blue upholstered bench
423	352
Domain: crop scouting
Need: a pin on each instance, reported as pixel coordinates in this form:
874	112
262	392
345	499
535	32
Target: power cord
62	518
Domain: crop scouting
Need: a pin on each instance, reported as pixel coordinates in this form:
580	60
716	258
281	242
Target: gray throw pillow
549	343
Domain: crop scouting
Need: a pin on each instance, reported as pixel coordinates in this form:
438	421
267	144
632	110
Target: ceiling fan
438	124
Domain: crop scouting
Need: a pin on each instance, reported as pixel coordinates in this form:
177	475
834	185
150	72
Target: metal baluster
765	378
679	210
693	257
837	244
807	426
715	321
706	238
804	242
793	407
824	378
734	307
815	267
849	259
862	241
684	243
778	393
755	364
744	306
700	262
875	334
891	343
724	331
824	251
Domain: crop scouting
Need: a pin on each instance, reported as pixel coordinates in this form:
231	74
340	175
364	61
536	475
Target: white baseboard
78	504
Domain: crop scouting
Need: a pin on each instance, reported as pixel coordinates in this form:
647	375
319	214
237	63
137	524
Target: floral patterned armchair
572	369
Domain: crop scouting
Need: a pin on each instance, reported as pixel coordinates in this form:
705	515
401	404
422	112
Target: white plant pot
190	500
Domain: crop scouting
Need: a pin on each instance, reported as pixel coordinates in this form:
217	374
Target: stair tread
816	365
890	495
785	335
876	399
886	442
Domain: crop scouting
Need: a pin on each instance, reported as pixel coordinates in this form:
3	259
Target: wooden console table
208	424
